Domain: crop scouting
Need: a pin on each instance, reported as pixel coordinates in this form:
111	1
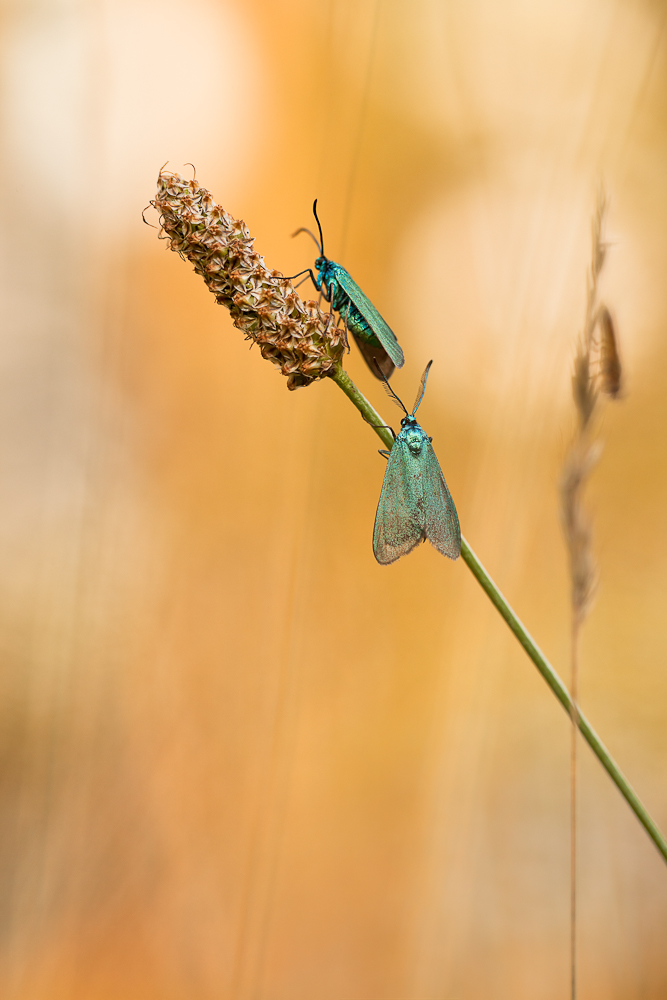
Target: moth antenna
319	227
388	389
304	230
422	387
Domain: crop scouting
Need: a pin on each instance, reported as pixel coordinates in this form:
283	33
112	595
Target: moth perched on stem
415	503
302	342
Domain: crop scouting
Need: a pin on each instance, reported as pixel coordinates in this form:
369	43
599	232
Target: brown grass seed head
611	370
295	336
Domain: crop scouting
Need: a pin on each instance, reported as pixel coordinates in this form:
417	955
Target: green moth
415	503
375	338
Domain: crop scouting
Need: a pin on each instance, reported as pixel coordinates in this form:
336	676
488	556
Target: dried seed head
611	372
599	245
584	388
577	525
584	452
296	336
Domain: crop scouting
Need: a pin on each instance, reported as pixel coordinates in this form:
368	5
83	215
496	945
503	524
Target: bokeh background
238	758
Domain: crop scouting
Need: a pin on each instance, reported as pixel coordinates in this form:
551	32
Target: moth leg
327	292
386	427
383	452
347	316
327	298
328	323
291	277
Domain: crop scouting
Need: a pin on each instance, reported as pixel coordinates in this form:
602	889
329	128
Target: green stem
342	379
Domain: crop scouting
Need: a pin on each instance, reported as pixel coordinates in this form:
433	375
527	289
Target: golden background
240	759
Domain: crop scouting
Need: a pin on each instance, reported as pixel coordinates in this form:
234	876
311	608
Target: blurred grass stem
597	374
574	714
344	382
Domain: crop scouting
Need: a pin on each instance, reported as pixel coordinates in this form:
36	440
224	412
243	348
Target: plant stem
344	382
574	694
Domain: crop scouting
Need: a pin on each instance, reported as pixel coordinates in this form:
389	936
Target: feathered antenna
387	388
422	388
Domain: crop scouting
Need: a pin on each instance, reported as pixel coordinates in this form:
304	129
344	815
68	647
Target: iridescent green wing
380	328
441	522
399	520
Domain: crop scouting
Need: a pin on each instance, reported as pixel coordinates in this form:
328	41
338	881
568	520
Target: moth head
413	435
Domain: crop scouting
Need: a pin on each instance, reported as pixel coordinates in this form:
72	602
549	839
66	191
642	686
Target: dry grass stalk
596	371
295	336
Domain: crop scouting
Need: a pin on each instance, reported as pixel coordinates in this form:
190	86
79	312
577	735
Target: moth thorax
414	437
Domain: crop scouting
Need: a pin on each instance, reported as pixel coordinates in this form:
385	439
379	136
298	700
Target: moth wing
373	356
441	520
398	522
378	325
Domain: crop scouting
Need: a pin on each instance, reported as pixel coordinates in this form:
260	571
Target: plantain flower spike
295	336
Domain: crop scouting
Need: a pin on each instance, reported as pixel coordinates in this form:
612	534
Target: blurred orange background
240	759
